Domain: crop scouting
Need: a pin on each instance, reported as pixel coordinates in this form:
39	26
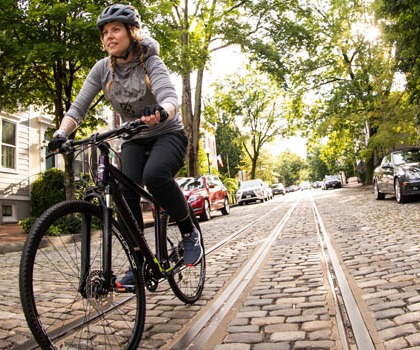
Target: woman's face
115	38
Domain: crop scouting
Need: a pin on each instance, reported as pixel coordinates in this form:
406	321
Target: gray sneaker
193	251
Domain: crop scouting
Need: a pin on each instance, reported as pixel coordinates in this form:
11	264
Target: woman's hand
152	115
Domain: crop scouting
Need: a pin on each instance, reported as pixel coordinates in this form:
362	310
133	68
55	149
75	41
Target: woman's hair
135	39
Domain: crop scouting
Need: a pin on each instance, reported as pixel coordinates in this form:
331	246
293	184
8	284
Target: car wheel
378	195
226	209
206	211
398	192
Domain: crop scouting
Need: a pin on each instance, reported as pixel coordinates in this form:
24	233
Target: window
7	210
8	144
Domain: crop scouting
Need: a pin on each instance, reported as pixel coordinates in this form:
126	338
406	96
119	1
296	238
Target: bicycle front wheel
66	308
187	282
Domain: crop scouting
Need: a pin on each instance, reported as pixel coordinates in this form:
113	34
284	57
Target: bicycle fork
104	285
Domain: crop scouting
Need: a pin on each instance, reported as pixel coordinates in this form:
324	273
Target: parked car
252	191
205	194
305	186
317	184
278	189
398	175
331	181
268	192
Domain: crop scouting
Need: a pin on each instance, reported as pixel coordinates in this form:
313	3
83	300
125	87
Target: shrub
46	191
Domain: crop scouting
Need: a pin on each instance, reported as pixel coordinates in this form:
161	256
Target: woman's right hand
152	115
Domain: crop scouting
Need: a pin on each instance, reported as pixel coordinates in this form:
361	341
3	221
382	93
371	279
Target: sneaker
127	280
193	251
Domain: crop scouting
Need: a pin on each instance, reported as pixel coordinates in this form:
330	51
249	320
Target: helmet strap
128	51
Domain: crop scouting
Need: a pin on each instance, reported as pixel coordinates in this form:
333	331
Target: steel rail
358	325
203	329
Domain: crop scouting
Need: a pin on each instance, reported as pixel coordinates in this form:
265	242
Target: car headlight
412	174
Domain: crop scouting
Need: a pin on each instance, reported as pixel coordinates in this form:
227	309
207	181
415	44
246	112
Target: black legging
154	162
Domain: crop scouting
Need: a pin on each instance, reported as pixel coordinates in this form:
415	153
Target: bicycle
76	249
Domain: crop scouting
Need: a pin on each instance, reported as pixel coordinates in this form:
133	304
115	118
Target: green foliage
232	186
252	111
228	138
49	47
27	223
47	191
290	168
402	29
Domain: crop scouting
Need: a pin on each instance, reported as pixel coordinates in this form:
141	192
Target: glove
55	144
149	110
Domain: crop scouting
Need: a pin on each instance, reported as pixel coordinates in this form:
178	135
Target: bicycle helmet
119	13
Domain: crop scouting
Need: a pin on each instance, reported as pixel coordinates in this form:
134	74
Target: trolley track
352	331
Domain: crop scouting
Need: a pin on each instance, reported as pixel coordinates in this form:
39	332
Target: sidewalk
13	238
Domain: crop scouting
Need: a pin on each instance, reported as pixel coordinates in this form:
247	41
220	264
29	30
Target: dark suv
205	194
331	181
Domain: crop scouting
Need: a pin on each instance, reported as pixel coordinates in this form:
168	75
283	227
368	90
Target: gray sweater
129	92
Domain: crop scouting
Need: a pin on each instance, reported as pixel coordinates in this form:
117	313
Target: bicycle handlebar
128	129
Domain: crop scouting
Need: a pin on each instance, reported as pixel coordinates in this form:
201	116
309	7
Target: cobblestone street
287	301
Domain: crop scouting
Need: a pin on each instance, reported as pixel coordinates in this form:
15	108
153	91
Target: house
22	159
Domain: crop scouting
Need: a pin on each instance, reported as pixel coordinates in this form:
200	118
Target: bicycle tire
58	315
187	282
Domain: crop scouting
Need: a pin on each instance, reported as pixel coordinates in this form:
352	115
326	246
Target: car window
194	184
410	156
397	158
387	159
247	184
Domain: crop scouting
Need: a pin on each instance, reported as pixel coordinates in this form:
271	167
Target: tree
342	76
289	168
254	105
47	48
190	31
401	25
228	138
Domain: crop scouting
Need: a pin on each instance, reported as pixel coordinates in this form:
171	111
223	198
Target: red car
205	194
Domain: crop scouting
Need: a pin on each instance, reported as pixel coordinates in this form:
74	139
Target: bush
27	223
232	185
48	190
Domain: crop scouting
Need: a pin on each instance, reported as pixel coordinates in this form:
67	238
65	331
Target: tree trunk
69	176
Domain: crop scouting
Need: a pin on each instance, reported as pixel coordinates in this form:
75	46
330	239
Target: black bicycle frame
110	178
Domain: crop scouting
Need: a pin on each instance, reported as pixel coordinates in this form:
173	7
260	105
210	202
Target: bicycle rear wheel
61	311
187	282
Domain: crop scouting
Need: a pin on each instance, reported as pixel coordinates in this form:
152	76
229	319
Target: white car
252	191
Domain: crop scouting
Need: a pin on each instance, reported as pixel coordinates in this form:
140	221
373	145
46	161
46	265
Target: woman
137	84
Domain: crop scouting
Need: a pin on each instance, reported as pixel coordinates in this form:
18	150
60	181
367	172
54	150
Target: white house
22	159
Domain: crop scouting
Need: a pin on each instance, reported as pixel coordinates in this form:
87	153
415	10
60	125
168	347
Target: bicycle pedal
124	288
